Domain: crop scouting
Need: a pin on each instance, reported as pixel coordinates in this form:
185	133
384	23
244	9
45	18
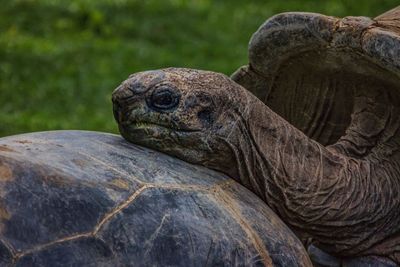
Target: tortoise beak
116	111
120	95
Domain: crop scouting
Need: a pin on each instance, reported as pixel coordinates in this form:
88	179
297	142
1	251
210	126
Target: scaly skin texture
347	205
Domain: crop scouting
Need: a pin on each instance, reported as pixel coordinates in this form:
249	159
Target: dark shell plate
76	198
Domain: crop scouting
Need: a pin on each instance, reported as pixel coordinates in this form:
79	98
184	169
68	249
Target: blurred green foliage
60	60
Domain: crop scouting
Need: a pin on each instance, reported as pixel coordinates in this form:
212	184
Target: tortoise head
182	112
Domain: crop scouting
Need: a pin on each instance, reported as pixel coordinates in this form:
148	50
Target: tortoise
311	126
80	198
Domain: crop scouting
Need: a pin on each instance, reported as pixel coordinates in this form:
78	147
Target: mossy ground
60	60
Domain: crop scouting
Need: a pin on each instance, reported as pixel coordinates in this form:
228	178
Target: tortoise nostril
121	93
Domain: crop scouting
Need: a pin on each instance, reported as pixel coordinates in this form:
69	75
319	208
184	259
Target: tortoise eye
164	98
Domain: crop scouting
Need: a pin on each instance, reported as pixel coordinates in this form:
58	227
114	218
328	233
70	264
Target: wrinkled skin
340	202
193	127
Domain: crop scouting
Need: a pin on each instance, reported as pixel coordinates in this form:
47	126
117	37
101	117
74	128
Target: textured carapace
316	71
78	198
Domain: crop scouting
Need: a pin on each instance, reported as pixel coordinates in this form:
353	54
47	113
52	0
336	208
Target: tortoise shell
76	198
313	70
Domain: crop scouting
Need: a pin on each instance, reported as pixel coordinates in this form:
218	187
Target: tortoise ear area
211	108
204	106
206	116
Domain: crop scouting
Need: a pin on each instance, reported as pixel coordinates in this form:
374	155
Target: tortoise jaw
141	131
138	118
143	125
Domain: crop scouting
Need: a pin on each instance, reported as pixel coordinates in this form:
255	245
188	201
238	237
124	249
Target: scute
253	211
78	208
86	251
6	257
73	198
198	224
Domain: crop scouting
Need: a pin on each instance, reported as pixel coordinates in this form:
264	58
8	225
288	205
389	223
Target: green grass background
60	60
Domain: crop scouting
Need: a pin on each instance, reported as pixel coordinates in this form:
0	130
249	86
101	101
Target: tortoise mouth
142	125
155	136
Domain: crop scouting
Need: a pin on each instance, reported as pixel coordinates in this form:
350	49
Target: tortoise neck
286	163
319	192
274	159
